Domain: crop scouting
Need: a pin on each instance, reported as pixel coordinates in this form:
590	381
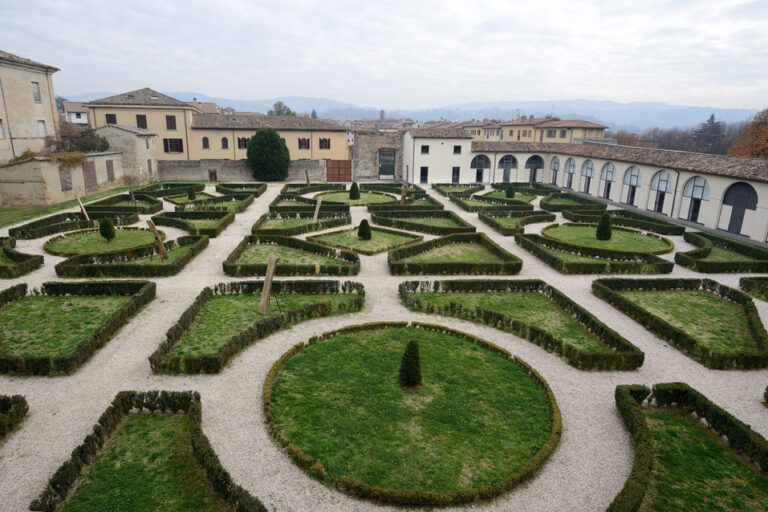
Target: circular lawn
365	198
90	241
621	239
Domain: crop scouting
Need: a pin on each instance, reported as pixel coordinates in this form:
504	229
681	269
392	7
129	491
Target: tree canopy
753	142
314	114
280	109
268	156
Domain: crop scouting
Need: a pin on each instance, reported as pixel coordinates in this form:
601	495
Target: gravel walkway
586	471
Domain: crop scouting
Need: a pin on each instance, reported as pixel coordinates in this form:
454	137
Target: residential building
535	129
438	155
75	112
27	105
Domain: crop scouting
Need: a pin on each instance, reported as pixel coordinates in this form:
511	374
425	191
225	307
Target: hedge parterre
382	239
717	254
69	221
90	241
435	222
232	202
560	201
514	222
12	411
197	222
145	204
628	219
14	263
622	239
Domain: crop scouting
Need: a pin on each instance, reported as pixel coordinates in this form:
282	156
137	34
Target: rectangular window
456	150
425	149
325	143
551	134
242	143
146	142
424	174
303	143
170	122
41	129
141	121
36	91
110	170
65	176
562	133
455	174
173	145
2	133
111	118
511	132
77	115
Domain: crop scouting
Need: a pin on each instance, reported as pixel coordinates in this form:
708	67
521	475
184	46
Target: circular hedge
481	422
366	197
622	239
90	241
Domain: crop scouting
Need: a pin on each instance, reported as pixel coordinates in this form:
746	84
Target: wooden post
317	209
405	194
82	208
306	175
131	196
267	290
158	240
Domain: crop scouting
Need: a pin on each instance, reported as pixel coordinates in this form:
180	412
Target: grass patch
148	464
621	240
365	198
381	240
476	419
564	201
184	199
501	194
156	259
459	252
203	223
259	253
721	254
285	223
131	203
440	222
14	214
91	242
233	206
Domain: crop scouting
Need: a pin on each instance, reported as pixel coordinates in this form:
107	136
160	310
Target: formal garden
503	347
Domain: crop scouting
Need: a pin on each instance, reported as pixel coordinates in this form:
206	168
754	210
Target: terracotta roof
251	122
74	106
143	97
575	123
438	133
207	107
127	128
9	57
755	169
527	122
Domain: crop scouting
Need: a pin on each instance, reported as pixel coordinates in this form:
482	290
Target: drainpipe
674	197
8	120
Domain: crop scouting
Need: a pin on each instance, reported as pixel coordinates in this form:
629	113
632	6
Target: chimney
381	115
194	99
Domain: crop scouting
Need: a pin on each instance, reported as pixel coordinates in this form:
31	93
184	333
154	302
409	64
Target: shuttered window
110	170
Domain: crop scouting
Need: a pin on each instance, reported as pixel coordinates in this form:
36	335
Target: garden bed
12	411
290	224
464	253
197	222
411	204
255	189
142	262
147	452
233	203
297	257
560	201
90	241
689	452
713	324
382	239
14	263
435	446
59	328
512	223
501	195
172	188
484	204
145	204
435	222
450	189
628	219
298	189
69	221
530	309
395	188
200	197
288	203
757	286
622	239
224	320
716	254
366	198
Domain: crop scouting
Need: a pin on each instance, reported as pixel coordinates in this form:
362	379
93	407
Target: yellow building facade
530	129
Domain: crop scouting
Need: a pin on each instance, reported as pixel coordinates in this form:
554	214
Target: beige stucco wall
139	152
339	147
440	160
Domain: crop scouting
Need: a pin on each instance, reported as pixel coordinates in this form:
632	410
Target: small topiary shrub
354	191
410	366
364	231
604	228
509	192
107	229
191	194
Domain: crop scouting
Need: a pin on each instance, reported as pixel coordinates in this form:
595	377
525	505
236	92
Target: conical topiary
510	192
191	194
604	228
107	229
410	366
364	230
354	191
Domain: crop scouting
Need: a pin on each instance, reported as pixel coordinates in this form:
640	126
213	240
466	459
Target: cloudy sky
404	54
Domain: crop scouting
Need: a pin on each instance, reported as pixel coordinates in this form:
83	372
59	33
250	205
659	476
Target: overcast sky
404	54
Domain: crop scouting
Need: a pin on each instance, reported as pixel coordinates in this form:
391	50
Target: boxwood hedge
218	203
669	248
110	205
325	220
404	219
47	244
255	189
412	239
440	188
21	263
299	189
170	188
526	217
181	220
70	221
547	203
12	411
409	206
757	286
628	219
303	205
756	258
494	205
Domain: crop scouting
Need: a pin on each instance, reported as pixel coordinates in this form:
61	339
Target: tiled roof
438	133
127	128
142	97
249	122
74	106
9	57
575	123
207	107
526	122
754	169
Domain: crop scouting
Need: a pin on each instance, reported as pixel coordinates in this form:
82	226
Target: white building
75	113
438	155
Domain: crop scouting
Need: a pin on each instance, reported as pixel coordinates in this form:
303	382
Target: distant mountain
88	96
299	104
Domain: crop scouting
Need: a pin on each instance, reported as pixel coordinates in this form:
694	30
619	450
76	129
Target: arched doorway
697	190
555	168
740	197
662	185
587	173
534	163
607	177
507	164
570	168
479	164
632	181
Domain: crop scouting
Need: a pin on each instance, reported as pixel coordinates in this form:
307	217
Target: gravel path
586	471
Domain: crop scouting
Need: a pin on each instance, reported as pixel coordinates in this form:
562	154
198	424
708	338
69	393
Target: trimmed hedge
179	220
22	263
397	496
299	189
494	205
69	221
66	478
623	356
215	203
255	189
140	292
585	204
103	265
395	188
409	206
162	361
439	188
670	245
757	286
526	217
304	205
173	188
740	436
695	259
608	290
414	239
521	188
325	220
47	244
108	205
628	219
510	264
400	219
392	200
232	268
616	262
12	411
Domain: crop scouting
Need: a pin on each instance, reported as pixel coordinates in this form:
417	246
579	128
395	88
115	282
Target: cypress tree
604	228
107	229
410	366
510	192
354	191
364	230
191	194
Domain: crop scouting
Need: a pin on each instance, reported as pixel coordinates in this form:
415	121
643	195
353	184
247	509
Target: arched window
534	163
570	168
479	164
661	183
242	143
587	172
224	143
325	144
632	181
697	189
740	197
507	163
607	177
304	143
206	145
554	166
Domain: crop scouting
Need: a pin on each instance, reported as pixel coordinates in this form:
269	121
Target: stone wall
233	170
365	154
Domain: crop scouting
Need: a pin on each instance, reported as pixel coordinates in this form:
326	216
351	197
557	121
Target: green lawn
694	471
463	252
501	194
421	202
130	203
720	254
529	307
224	316
184	199
476	419
91	242
155	259
284	223
148	464
482	204
508	222
562	200
203	223
715	322
229	205
365	198
451	190
259	253
286	202
620	240
53	325
380	240
439	222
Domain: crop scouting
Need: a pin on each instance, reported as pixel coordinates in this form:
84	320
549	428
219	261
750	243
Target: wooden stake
317	209
306	175
405	194
82	208
131	196
158	240
267	290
